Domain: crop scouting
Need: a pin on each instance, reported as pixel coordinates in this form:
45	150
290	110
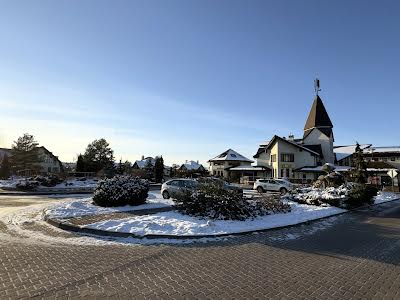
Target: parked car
177	186
181	185
225	185
274	185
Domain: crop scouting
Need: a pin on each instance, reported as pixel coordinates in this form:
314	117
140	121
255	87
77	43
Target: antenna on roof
316	86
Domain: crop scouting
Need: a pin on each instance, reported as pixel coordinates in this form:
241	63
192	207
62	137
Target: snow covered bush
348	195
27	185
121	191
215	202
48	181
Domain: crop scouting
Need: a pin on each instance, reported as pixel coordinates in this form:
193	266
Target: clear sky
190	79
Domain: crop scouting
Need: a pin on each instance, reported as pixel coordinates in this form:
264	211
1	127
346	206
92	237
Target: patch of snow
385	197
175	223
85	207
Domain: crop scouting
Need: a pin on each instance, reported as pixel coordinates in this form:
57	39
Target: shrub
49	181
27	185
361	194
215	202
120	191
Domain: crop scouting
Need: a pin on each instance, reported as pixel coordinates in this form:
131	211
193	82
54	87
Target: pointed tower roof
318	117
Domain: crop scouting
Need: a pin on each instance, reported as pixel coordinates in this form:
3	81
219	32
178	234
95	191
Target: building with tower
301	158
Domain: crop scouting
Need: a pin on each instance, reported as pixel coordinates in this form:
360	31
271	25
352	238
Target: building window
304	176
273	158
287	157
393	158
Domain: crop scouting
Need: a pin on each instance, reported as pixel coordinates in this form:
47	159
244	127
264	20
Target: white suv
274	185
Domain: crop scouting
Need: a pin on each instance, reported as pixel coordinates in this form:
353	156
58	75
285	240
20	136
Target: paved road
355	255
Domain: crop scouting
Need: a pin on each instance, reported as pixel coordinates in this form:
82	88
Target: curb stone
79	229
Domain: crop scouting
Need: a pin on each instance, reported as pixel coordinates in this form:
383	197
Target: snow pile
177	224
85	207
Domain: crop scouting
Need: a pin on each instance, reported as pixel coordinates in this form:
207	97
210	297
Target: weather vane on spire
316	86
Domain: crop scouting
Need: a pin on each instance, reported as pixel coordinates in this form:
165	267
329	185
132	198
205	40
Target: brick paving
356	255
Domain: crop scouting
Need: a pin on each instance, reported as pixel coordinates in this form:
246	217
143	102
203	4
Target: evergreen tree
359	172
99	156
80	164
25	154
159	169
127	167
120	170
149	168
5	170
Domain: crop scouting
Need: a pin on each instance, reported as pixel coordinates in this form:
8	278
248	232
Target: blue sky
189	79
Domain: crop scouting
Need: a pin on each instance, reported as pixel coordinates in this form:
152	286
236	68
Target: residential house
379	161
140	165
4	152
193	166
49	163
224	164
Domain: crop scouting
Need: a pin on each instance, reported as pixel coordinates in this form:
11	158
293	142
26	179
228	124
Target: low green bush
361	194
121	191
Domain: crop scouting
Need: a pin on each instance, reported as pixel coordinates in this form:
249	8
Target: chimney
197	161
142	157
185	161
291	137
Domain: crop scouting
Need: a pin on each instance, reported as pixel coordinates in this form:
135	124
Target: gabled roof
259	151
230	155
191	166
342	152
142	163
291	143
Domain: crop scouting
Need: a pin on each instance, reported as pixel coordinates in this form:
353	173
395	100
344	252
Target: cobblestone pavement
355	255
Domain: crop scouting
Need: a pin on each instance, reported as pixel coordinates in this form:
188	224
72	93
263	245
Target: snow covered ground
71	184
175	223
84	207
385	197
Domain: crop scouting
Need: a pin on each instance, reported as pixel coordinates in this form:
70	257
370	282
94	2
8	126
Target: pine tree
127	167
5	170
359	172
159	169
99	156
80	164
120	170
25	155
